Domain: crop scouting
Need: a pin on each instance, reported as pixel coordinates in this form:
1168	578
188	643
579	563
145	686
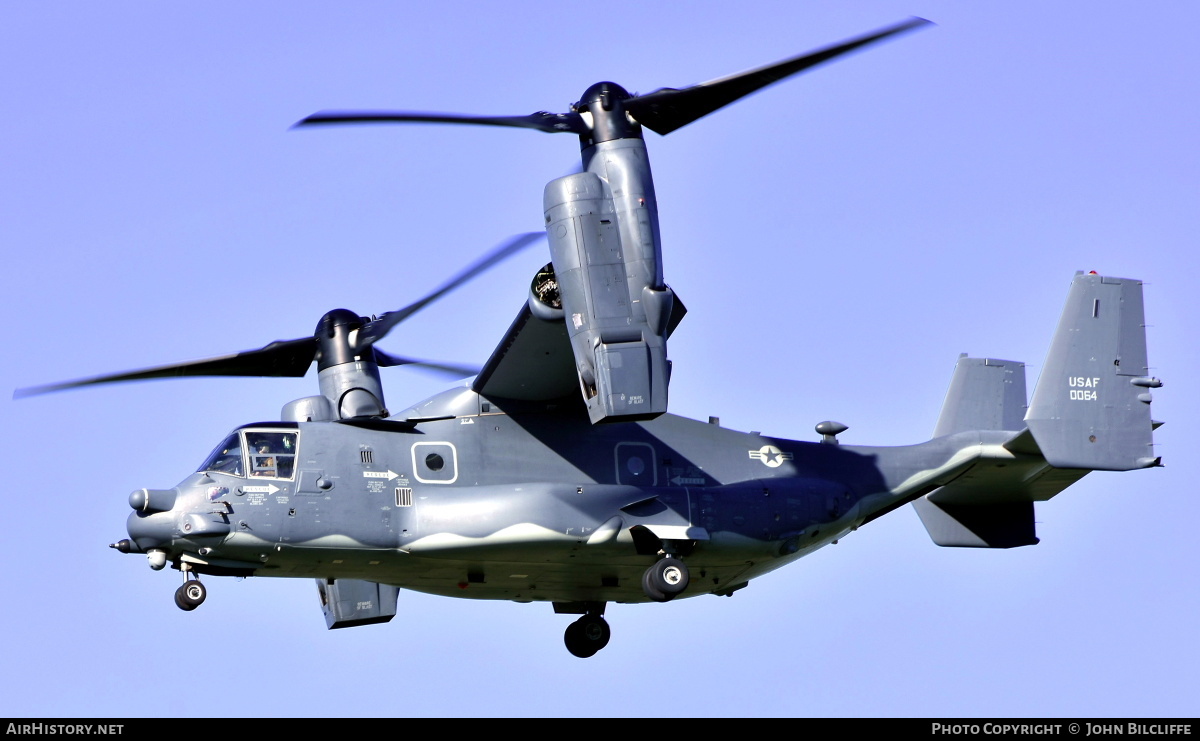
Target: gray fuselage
459	498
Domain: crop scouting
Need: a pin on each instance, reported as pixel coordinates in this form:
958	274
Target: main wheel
669	576
190	595
587	635
651	591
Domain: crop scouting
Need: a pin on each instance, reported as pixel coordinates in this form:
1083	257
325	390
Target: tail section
1091	407
1090	411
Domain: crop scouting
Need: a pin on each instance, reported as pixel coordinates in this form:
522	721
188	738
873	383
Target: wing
533	362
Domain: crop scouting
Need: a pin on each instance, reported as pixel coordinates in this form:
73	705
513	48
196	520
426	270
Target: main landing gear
588	634
665	579
189	596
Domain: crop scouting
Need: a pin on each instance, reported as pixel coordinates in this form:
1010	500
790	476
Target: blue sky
838	239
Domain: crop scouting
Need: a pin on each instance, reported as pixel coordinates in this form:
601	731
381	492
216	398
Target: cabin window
435	462
272	454
635	464
226	458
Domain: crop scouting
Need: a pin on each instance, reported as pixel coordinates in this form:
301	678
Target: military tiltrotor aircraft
556	475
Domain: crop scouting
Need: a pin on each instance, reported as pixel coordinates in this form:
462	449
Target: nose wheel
190	596
665	579
587	635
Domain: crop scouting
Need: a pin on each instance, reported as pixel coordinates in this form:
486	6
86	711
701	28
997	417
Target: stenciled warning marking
269	489
389	475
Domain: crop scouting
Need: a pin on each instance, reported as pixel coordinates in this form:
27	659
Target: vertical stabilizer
1091	407
985	394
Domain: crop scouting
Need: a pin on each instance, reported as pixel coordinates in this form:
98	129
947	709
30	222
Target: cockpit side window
272	454
227	458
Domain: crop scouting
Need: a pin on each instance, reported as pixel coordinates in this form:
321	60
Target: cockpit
259	453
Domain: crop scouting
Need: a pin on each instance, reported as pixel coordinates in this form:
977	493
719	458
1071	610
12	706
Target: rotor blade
666	110
375	330
551	123
387	360
280	358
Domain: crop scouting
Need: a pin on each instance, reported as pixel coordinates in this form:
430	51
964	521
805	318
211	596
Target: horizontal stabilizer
991	504
1091	407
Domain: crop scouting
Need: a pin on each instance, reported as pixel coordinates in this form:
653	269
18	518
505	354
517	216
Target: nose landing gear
189	596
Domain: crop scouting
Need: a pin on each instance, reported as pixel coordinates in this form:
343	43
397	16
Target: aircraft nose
149	531
161	516
151	524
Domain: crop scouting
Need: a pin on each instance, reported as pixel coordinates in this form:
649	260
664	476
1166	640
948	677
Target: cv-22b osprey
556	475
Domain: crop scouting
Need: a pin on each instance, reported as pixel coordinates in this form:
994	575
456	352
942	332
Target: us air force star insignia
771	456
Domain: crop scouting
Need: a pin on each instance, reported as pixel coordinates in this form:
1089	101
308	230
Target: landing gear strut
587	635
665	579
189	596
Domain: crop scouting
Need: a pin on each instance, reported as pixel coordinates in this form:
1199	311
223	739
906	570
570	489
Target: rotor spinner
605	103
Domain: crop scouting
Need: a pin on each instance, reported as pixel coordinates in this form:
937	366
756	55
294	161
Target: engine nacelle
603	235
